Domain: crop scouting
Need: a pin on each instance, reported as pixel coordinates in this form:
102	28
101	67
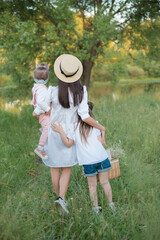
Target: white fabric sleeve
71	134
83	106
97	131
38	111
41	99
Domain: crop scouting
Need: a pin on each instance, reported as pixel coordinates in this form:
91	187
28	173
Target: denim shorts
94	169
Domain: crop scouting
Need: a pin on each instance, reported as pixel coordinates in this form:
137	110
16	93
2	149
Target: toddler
92	155
41	105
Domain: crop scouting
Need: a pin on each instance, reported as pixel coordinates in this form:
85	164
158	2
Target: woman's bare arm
100	138
95	124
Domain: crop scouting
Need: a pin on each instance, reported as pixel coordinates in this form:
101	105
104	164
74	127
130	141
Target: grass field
27	198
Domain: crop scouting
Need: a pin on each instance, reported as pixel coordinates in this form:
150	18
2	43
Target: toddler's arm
42	102
58	128
35	115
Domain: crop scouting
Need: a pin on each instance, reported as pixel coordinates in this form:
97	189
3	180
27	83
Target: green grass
27	198
144	79
127	81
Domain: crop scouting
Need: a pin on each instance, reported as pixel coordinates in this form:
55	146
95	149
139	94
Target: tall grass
27	198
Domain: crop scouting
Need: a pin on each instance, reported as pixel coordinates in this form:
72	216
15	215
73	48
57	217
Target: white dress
91	152
58	154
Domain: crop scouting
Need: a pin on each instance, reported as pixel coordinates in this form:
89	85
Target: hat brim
61	76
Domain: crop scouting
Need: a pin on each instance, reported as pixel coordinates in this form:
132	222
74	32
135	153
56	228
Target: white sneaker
112	206
41	153
97	209
61	205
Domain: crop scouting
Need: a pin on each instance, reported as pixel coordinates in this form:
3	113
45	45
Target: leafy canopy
45	29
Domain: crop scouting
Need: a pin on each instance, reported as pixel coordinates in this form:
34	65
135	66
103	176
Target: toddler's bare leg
44	135
92	184
103	179
64	181
55	176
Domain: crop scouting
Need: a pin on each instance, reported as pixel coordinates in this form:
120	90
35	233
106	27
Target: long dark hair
84	128
76	90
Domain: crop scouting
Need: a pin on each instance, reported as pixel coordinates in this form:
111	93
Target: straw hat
68	68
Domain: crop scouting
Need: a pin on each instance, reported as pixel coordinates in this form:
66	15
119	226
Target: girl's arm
58	128
95	124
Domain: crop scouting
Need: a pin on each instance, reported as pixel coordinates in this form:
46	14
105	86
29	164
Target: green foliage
20	48
112	67
135	71
46	29
145	37
4	80
151	67
32	39
27	198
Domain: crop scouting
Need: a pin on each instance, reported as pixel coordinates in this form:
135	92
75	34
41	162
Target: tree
49	28
146	37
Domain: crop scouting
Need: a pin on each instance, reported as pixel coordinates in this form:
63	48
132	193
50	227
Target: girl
68	99
41	105
92	155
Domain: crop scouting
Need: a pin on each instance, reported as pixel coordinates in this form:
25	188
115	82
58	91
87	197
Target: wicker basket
115	171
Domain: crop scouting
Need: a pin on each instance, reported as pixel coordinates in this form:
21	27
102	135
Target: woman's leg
92	184
103	179
64	181
55	176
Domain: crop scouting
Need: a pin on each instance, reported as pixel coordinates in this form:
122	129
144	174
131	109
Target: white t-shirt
90	152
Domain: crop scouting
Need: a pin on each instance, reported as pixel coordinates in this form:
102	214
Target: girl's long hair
85	128
76	90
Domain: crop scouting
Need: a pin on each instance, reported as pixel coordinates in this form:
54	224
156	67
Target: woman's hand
95	124
57	128
35	115
103	137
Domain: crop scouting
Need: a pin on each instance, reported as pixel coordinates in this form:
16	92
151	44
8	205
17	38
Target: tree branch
112	5
121	8
122	25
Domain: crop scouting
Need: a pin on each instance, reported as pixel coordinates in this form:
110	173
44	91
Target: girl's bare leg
92	184
64	181
55	176
103	179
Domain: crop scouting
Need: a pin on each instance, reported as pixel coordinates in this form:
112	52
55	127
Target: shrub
108	72
151	67
4	79
135	71
99	73
154	69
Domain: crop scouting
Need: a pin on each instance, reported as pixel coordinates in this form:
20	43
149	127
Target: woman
68	99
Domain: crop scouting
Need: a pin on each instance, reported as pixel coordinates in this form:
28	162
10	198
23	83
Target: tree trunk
87	68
